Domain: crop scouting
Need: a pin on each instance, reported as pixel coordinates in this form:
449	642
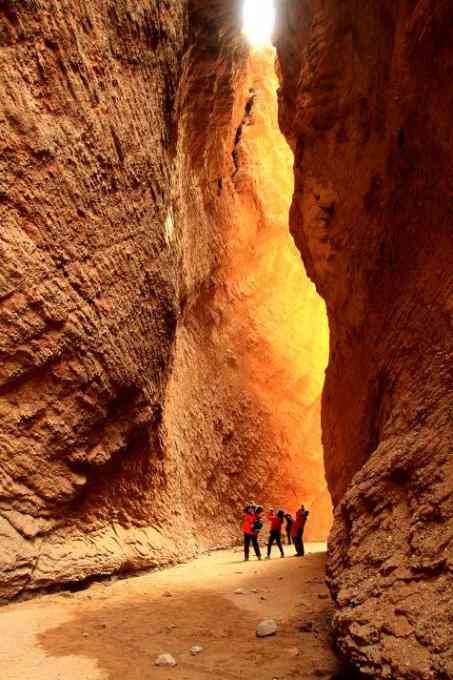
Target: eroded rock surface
365	106
87	276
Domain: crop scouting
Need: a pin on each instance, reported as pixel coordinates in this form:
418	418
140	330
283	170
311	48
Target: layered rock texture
147	286
366	107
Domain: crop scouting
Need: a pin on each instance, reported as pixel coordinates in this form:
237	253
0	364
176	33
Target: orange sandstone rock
364	105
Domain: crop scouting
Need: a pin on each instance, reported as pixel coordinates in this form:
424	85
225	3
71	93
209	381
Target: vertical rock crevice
238	136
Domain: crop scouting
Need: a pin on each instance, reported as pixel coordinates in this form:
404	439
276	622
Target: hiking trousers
253	539
274	537
299	543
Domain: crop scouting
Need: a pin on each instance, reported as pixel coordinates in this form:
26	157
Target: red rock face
365	107
147	286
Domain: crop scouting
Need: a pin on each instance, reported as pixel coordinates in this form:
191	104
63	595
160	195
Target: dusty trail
114	631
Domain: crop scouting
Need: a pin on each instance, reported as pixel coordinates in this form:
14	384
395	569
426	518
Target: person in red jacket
297	530
275	533
251	525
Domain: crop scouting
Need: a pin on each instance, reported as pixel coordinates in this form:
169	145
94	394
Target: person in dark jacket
251	526
288	527
275	533
298	530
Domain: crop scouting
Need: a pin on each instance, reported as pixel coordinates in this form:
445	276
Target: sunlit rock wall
275	321
366	107
251	352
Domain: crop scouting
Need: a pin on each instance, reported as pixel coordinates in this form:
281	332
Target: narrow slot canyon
226	274
262	328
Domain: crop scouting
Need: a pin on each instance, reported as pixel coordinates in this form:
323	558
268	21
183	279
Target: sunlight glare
259	20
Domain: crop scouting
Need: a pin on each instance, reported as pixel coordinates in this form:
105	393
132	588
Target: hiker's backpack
257	525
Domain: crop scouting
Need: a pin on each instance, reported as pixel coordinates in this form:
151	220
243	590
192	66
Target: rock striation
364	104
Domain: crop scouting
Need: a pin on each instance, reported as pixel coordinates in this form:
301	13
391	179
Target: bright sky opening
259	21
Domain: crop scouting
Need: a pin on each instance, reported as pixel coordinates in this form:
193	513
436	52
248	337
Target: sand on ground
115	630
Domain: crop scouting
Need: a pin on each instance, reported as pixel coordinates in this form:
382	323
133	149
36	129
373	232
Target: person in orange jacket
275	533
251	526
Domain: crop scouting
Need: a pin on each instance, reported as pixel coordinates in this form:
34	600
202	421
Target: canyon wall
89	286
143	390
366	106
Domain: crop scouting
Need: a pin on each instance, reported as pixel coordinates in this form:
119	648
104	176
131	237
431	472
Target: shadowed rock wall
365	105
89	286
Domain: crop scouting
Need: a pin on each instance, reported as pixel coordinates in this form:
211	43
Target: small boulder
239	591
165	660
266	628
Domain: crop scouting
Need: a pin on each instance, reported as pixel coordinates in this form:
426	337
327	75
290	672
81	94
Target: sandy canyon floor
115	630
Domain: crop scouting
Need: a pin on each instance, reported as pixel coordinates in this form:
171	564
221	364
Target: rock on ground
196	649
266	628
165	660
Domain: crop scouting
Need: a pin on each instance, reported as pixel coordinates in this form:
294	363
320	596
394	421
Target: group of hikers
253	522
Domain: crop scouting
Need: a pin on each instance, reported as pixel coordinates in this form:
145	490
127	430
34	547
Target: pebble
170	628
263	597
266	627
165	660
196	649
167	594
